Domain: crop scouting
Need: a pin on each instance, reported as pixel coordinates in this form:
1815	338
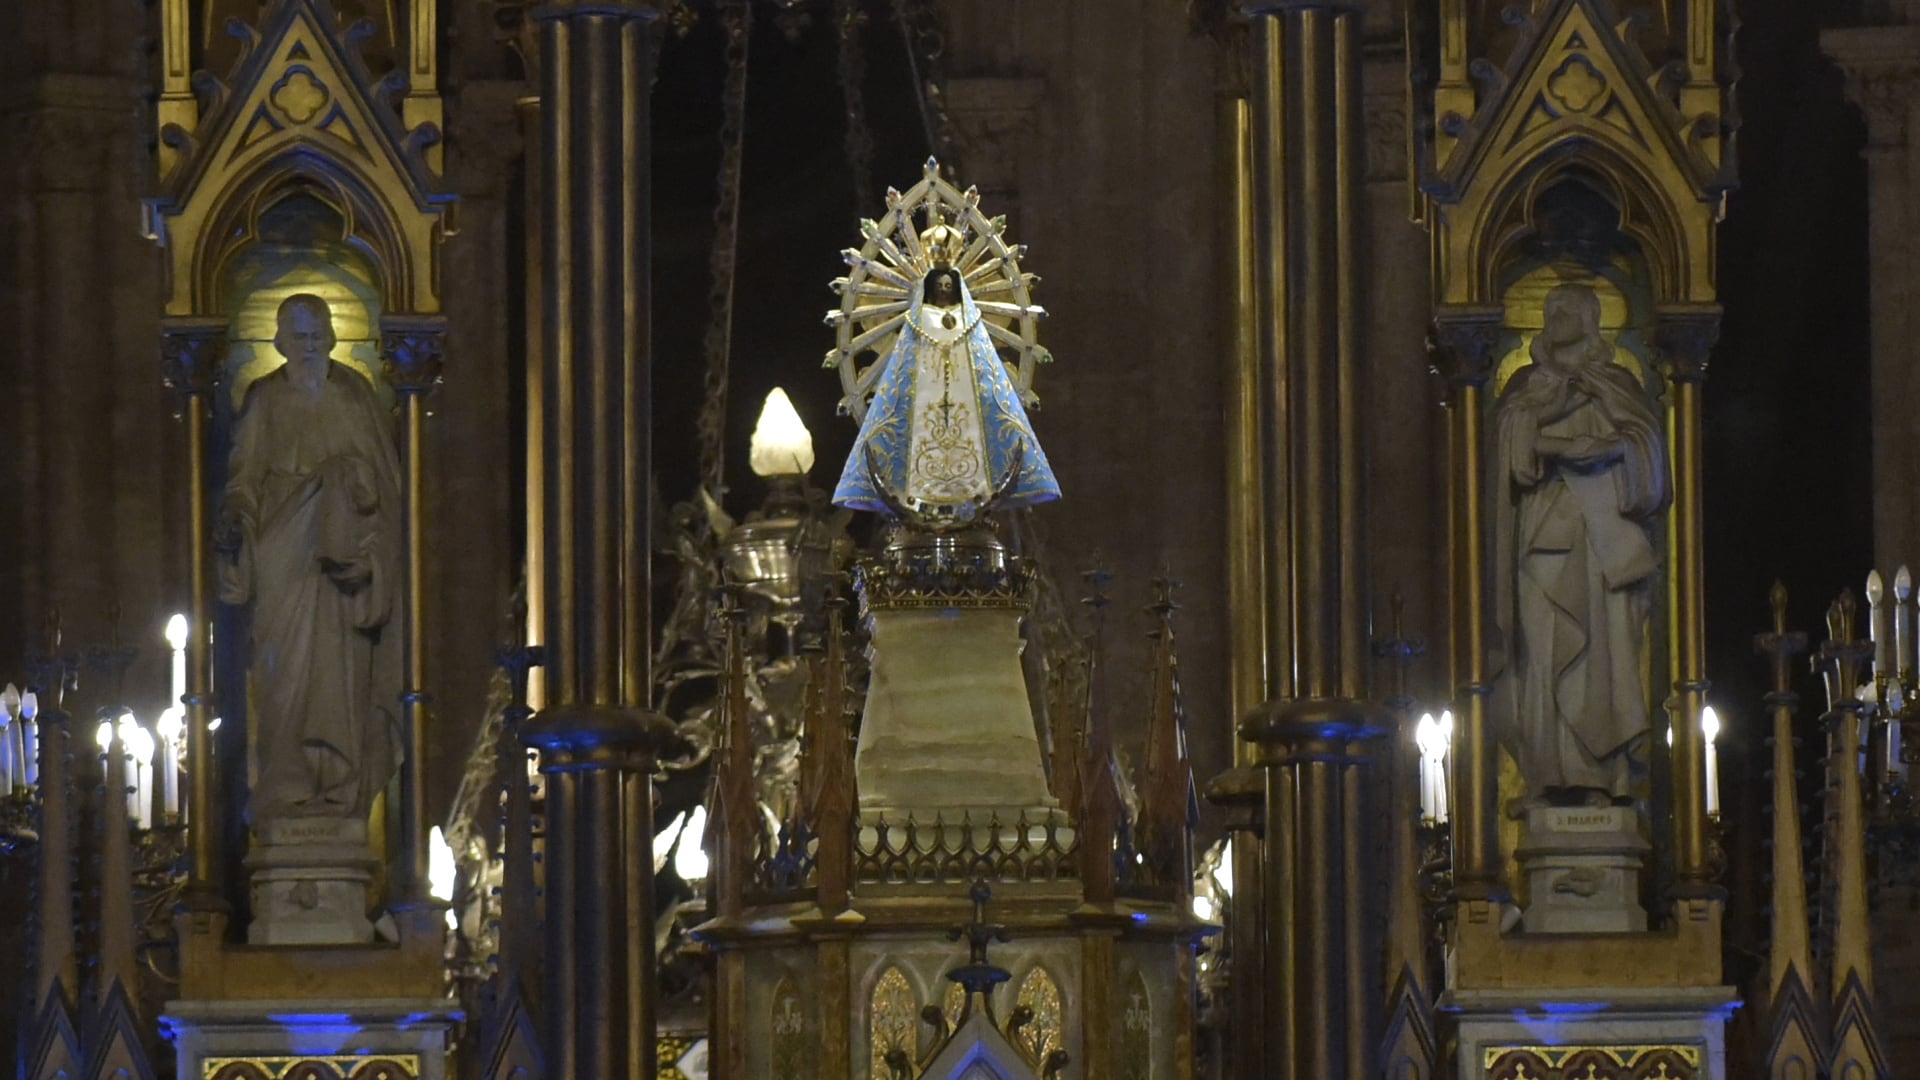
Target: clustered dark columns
599	746
1314	731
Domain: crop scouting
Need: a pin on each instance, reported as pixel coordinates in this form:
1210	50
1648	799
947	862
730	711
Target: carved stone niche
996	118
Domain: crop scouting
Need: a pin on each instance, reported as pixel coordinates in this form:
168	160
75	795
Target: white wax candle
177	638
1713	779
30	738
143	794
168	767
1431	737
1710	727
9	764
1879	625
169	727
1903	622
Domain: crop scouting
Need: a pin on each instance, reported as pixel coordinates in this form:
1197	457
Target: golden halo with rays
877	290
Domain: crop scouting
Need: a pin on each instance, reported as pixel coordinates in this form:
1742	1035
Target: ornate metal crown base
969	568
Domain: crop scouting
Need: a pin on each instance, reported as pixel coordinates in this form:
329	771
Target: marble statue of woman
310	534
1579	472
945	433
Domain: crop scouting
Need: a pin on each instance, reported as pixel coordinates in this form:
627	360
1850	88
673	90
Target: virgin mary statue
945	433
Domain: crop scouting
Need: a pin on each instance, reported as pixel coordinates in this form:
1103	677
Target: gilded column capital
413	349
1683	340
1466	343
191	350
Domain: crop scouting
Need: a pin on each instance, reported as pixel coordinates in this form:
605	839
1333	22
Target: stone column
192	350
1882	66
1240	790
1465	341
598	744
1311	733
412	349
1683	338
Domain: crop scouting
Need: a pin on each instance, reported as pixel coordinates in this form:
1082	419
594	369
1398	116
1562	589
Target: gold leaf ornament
299	96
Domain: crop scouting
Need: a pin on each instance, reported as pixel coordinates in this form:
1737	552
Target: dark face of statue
1563	323
943	288
305	335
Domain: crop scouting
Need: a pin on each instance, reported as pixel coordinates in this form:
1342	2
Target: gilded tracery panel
892	1015
1045	1032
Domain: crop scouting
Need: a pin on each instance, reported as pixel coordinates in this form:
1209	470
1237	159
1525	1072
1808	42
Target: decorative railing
910	852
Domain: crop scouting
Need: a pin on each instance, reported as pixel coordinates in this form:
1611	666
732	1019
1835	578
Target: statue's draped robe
1573	562
945	426
315	482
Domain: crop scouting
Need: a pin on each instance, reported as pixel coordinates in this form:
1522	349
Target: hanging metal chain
737	23
926	43
852	21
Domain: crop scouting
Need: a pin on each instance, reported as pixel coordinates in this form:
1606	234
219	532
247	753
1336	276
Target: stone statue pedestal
1583	870
401	1038
948	729
1639	1031
310	879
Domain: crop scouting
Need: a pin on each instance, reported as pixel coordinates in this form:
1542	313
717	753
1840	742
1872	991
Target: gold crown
943	243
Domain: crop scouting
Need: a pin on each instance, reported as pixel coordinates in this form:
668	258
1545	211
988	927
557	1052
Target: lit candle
1710	727
30	736
177	638
140	743
690	859
12	744
1879	625
9	764
113	750
1431	736
169	728
1903	656
442	872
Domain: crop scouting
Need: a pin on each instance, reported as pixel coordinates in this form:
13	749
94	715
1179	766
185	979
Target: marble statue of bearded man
1579	473
310	534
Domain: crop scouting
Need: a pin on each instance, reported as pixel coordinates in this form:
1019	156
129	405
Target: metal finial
978	975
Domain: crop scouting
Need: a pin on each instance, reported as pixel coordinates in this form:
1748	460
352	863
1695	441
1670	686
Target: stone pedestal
948	729
1583	870
401	1039
1624	1031
310	878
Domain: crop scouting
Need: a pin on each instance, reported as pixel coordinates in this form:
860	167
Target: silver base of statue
310	882
1583	870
